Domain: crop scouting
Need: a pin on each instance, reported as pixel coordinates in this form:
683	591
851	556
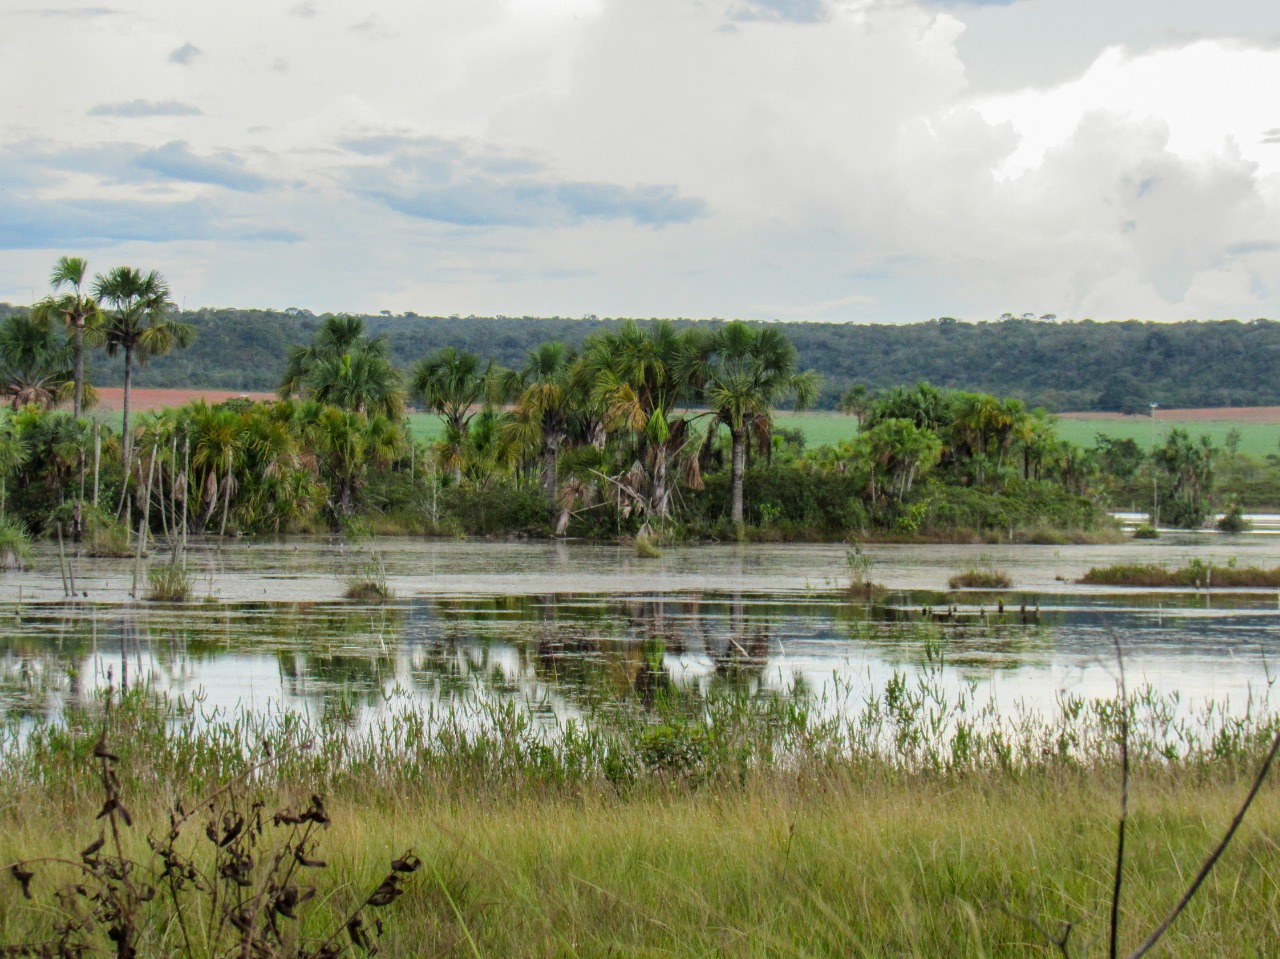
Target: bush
1233	520
502	508
15	544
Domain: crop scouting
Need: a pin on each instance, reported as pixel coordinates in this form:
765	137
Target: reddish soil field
112	398
1222	414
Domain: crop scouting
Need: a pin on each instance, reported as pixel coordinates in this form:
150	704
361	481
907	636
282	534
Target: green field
1256	439
827	429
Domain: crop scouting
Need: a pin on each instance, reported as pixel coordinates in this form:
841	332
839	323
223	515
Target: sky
833	160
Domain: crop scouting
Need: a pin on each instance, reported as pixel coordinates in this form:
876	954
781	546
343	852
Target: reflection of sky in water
570	654
573	627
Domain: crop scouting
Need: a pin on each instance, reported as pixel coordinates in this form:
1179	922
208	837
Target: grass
770	832
986	575
1195	575
169	583
1256	439
15	544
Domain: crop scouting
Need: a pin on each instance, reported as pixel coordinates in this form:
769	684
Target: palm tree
35	361
343	367
547	397
856	400
638	377
137	324
77	310
744	372
451	384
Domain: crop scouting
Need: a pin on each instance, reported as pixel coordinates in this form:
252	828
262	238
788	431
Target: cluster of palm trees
619	419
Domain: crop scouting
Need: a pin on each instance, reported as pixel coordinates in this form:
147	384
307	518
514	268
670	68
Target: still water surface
572	626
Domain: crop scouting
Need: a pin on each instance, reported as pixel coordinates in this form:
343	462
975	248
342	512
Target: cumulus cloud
86	222
373	27
76	13
833	159
145	108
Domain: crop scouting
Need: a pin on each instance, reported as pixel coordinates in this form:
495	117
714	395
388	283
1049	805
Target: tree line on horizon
1062	365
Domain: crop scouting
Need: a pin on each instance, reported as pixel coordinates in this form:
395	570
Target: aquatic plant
169	583
986	575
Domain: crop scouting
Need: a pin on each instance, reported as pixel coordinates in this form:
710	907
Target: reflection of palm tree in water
741	656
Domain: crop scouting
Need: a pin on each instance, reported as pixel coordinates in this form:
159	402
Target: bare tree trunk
97	458
125	438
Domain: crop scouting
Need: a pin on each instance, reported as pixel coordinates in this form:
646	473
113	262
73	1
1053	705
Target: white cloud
807	158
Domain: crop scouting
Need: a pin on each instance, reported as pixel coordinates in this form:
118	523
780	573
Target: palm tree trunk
226	498
658	495
738	469
549	457
126	439
77	398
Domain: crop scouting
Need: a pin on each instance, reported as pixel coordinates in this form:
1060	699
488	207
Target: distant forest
1084	365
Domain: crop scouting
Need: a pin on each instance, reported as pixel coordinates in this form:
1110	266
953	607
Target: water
572	627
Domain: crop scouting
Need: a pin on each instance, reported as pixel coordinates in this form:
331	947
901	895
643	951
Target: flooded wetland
568	627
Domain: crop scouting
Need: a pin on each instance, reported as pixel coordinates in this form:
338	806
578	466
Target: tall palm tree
78	310
137	324
856	400
744	371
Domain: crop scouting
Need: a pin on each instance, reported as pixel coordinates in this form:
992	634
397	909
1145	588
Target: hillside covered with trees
1058	365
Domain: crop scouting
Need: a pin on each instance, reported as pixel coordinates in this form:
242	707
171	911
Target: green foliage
103	535
499	509
15	544
1232	521
169	583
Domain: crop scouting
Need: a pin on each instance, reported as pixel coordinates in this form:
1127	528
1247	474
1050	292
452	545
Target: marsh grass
1195	575
985	575
369	582
15	544
720	825
104	536
169	583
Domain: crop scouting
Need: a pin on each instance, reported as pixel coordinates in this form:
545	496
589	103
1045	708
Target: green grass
1256	439
808	848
